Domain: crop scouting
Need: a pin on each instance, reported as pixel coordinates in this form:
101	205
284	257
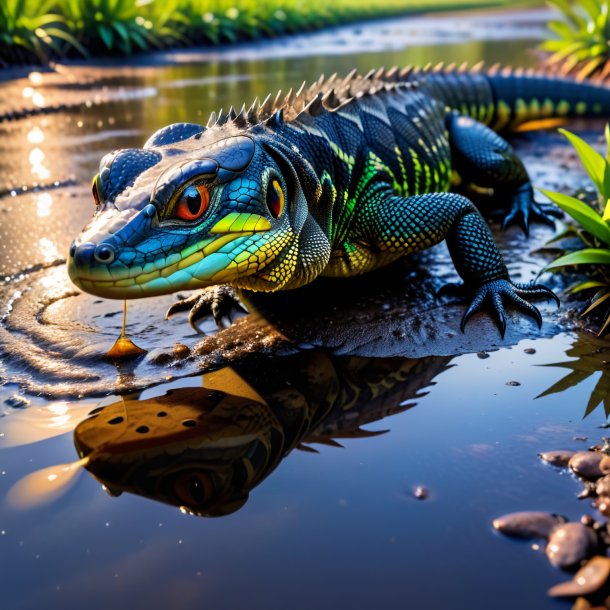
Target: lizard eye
193	202
96	191
194	488
275	199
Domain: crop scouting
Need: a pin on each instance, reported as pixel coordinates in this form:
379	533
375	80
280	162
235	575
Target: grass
42	30
589	231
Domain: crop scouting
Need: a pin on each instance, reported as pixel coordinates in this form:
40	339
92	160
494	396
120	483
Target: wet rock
513	383
602	487
570	543
529	350
603	505
18	402
420	492
528	524
587	491
181	351
587	464
482	355
558	458
590	578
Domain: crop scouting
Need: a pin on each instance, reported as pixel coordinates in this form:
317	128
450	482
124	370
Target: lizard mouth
221	257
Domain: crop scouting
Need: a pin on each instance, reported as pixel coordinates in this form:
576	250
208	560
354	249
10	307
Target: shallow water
337	528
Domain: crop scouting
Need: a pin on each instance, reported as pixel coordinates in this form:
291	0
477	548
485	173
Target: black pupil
193	200
273	200
196	489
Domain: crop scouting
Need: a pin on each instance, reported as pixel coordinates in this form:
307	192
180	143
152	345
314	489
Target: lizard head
190	209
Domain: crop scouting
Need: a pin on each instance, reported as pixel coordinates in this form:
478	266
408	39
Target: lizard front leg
219	301
397	224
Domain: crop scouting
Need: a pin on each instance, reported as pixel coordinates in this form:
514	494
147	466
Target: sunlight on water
45	485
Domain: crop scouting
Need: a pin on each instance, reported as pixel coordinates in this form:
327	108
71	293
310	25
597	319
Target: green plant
582	46
114	26
590	357
591	228
30	28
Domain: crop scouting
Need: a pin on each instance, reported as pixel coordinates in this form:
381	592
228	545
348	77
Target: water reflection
204	449
592	356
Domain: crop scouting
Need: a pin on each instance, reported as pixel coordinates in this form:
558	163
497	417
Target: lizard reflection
204	449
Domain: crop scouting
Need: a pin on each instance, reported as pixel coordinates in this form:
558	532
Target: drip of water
124	347
45	485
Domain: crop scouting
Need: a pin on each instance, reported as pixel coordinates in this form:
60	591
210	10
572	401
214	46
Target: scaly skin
336	180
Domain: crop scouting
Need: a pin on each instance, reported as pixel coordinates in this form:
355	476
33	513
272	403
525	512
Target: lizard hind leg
482	157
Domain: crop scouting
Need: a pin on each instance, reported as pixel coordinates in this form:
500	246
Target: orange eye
275	199
193	203
95	190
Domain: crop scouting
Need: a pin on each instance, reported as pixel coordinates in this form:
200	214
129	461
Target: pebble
420	492
513	383
18	402
591	577
602	487
587	464
529	350
528	524
482	355
181	350
570	543
557	458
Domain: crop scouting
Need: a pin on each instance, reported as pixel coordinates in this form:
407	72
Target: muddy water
337	528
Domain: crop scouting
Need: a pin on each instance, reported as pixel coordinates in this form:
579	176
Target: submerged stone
528	524
570	543
557	458
587	464
590	578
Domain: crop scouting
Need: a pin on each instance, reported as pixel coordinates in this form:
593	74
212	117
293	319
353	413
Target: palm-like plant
582	46
591	229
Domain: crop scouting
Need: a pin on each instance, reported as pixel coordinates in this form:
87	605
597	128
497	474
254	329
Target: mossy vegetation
39	31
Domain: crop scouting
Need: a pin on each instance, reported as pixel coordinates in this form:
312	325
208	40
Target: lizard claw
496	292
219	301
525	210
451	289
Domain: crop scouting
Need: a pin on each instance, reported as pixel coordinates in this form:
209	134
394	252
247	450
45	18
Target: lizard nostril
104	253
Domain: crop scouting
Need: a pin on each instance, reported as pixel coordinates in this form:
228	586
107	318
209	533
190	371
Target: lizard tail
519	97
504	98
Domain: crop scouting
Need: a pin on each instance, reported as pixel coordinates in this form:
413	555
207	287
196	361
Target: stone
590	578
570	543
528	524
557	458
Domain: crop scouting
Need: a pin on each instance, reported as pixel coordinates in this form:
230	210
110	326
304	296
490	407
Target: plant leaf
588	256
587	285
583	214
592	161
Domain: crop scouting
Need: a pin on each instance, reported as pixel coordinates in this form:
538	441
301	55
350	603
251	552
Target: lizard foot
219	301
525	209
497	291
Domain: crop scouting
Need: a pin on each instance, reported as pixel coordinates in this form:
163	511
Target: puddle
331	415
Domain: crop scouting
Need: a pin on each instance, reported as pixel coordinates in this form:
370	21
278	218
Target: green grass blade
596	304
586	285
589	256
592	161
584	215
